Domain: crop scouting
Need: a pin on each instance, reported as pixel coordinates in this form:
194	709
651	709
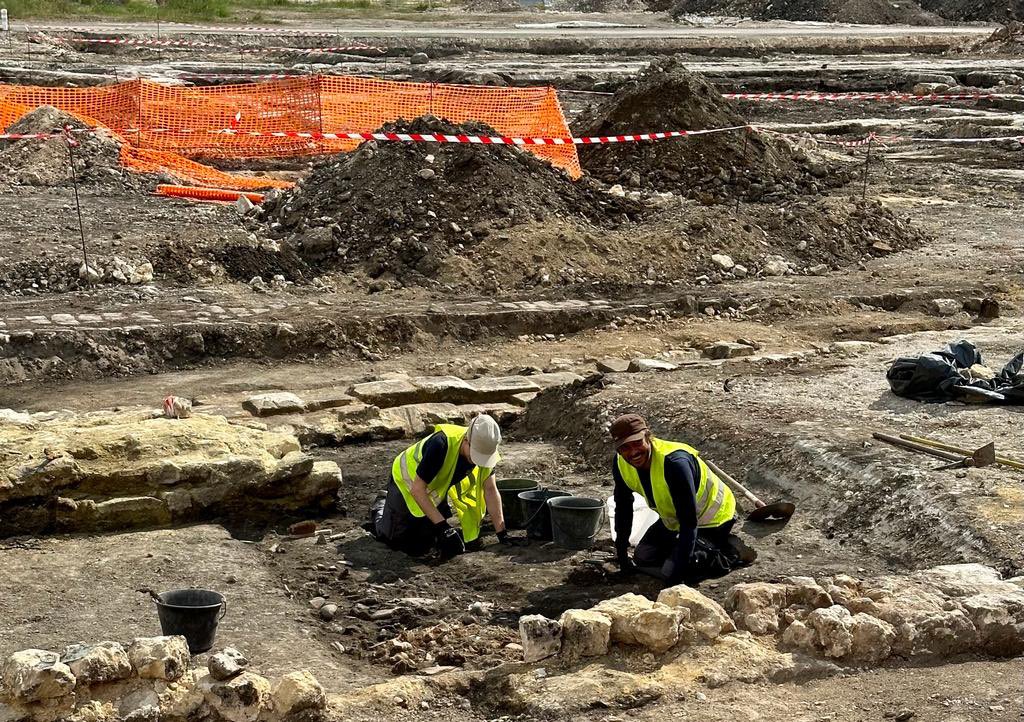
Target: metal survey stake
867	165
71	143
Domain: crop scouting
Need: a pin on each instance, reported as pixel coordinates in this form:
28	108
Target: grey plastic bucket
538	513
192	613
576	521
515	513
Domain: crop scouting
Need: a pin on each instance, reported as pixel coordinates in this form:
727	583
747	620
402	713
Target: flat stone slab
612	365
444	389
728	349
502	388
394	392
638	365
273	403
329	399
555	378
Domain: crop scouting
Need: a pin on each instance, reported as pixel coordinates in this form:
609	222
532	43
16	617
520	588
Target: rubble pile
714	168
151	678
681	616
405	208
932	614
46	162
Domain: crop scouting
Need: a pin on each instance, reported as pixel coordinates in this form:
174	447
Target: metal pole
867	164
71	143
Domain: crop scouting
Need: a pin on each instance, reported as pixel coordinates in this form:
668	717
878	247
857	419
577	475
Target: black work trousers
396	526
713	552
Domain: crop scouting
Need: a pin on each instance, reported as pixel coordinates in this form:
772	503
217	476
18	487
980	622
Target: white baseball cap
484	437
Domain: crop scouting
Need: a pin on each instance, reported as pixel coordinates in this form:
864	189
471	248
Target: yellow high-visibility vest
466	497
715	503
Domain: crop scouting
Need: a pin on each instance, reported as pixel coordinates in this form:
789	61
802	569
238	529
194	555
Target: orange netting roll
163	127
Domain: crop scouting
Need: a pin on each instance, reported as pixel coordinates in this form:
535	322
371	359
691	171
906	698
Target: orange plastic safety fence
207	194
163	127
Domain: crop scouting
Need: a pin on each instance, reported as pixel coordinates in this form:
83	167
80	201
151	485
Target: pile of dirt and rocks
405	208
975	10
868	12
713	168
46	162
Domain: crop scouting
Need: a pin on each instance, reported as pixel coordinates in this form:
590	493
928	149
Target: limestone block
807	592
755	606
639	365
159	657
327	399
298	692
555	378
833	626
36	675
728	349
384	394
97	663
585	633
130	512
998	618
707	616
657	628
799	636
240	699
281	402
227	663
444	389
501	388
621	610
871	639
541	637
612	365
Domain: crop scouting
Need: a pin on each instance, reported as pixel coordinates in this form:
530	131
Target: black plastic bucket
515	514
192	613
576	521
538	514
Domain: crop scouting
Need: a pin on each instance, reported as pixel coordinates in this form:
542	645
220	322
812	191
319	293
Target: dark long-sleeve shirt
435	449
682	474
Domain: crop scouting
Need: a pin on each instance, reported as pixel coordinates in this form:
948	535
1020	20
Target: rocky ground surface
759	332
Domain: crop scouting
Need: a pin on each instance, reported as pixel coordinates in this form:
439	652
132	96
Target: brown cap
626	428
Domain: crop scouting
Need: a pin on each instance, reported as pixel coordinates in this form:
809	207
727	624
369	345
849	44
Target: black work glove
626	565
512	541
449	541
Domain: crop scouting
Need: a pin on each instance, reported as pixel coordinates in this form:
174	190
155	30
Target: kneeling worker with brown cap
691	541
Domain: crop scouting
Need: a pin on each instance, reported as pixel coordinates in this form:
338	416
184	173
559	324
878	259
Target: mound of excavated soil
404	208
869	12
715	168
976	10
46	162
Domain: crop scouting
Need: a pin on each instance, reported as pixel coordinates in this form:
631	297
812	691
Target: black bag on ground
944	375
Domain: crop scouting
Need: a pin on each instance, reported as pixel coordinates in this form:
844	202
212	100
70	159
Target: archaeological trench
212	399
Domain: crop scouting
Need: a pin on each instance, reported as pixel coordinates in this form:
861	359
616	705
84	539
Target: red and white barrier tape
149	42
506	140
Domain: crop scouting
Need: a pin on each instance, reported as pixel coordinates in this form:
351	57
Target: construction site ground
793	421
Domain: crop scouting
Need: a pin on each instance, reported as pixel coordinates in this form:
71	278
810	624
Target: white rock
36	675
541	637
241	699
97	663
90	274
159	657
657	628
638	365
799	636
585	633
226	664
621	610
755	606
740	271
723	261
243	205
616	190
297	692
143	273
871	639
707	616
269	404
776	267
833	626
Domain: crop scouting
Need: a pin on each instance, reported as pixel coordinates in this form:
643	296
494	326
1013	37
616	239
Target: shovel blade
984	456
779	511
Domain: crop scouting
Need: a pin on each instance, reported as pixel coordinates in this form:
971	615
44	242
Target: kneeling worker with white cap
449	471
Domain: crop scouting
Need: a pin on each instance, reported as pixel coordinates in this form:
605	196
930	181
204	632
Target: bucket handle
600	526
223	608
539	511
